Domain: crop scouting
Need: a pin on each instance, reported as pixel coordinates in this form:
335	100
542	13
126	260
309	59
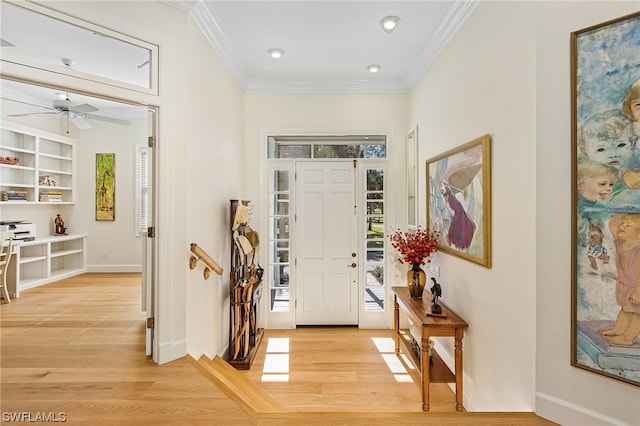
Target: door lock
353	265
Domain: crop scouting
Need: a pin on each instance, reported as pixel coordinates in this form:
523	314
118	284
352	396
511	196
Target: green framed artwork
105	187
605	165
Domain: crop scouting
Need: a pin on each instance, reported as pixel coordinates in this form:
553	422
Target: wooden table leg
458	361
424	371
396	324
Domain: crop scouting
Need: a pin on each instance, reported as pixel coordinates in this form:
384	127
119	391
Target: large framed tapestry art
605	245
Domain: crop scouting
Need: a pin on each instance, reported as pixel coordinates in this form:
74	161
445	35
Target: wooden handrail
199	254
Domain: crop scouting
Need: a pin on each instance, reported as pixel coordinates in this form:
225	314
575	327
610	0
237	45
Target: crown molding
208	24
457	14
182	5
335	86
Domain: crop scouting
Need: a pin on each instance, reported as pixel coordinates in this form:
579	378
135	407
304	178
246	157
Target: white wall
565	394
112	245
483	82
214	166
507	73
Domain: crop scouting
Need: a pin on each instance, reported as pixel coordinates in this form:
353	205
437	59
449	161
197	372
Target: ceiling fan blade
107	119
26	103
83	108
79	122
33	113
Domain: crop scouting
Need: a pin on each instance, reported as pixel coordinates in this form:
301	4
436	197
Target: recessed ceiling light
67	62
389	23
276	53
373	68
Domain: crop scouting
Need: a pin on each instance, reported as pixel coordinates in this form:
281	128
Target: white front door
327	244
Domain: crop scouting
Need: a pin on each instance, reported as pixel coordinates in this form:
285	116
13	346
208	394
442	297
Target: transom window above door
39	37
321	147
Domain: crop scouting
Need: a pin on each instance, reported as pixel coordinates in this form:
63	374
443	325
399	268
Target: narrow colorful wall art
105	187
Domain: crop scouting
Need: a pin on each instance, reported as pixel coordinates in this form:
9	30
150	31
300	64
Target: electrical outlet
435	270
104	254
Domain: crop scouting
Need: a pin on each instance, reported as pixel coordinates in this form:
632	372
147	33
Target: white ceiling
328	44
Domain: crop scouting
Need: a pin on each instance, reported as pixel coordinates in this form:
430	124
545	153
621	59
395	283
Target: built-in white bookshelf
45	260
36	164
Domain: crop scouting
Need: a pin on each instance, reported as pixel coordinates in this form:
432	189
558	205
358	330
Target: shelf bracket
210	264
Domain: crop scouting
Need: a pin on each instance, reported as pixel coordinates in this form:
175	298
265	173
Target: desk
451	326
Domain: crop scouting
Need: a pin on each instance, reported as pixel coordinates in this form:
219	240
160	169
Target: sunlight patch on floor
278	345
384	344
396	365
276	360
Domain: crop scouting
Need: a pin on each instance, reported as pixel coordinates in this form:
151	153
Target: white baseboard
569	414
114	268
171	351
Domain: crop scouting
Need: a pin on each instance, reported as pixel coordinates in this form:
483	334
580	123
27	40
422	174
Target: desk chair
5	258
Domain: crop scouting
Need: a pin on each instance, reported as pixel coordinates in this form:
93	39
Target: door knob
353	265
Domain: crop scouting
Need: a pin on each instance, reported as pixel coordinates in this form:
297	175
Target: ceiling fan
76	114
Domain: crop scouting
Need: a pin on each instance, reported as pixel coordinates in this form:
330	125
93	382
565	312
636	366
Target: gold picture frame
605	223
459	200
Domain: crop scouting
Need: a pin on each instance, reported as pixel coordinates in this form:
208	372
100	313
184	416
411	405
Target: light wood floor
341	369
75	349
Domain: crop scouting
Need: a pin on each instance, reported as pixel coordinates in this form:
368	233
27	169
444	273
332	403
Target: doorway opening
115	128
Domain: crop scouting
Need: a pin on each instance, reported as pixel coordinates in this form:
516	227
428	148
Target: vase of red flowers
415	248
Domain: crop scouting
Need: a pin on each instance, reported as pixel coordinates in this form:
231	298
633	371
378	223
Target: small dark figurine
436	291
60	229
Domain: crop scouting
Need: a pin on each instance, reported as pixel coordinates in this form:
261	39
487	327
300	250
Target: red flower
415	247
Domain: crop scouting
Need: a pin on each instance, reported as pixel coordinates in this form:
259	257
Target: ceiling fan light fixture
374	68
389	23
276	53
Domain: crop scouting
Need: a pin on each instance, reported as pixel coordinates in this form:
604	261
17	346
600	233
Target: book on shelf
14	195
50	197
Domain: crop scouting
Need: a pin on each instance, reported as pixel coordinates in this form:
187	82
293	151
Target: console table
431	326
